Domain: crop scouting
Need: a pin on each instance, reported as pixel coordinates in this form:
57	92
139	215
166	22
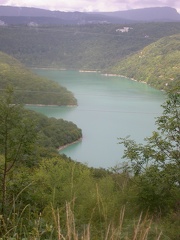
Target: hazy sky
92	5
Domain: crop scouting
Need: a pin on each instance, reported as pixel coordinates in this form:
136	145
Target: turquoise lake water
109	107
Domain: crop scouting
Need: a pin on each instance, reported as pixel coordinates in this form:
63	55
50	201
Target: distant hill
157	64
25	15
154	14
30	88
87	47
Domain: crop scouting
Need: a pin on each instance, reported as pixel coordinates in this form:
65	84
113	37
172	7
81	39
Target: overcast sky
92	5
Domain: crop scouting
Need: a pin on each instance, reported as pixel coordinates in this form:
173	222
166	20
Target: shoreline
69	144
48	105
119	75
91	71
49	68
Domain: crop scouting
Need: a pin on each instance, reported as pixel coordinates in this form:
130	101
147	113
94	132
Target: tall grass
25	226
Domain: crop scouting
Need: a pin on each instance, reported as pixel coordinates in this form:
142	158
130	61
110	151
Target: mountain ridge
145	14
160	14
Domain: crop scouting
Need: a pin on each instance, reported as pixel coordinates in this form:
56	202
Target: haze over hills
24	15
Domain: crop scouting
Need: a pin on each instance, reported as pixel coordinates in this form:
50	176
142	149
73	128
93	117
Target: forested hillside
157	64
30	88
46	196
92	47
54	133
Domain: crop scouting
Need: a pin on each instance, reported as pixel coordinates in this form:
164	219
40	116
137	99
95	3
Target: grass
24	227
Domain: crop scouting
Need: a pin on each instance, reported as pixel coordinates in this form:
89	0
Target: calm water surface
108	108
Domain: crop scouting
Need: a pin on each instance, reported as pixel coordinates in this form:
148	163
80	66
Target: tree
17	137
156	164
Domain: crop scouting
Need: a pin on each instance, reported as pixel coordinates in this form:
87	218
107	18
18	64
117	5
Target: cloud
3	2
155	3
92	5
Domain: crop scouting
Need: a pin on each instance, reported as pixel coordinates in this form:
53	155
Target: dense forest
48	196
157	64
89	47
52	133
30	88
99	47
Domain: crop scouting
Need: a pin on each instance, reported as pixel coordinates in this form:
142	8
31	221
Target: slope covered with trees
57	198
55	133
88	47
52	133
30	88
157	64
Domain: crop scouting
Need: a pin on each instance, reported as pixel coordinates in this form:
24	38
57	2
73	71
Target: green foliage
30	88
156	164
89	47
62	198
54	133
156	64
17	138
24	135
57	181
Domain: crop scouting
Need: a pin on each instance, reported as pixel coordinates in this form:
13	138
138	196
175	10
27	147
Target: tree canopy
156	164
157	64
87	47
58	197
30	88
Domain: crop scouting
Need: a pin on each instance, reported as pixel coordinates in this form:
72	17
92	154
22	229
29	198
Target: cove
109	107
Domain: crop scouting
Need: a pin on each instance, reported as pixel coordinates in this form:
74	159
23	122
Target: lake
109	107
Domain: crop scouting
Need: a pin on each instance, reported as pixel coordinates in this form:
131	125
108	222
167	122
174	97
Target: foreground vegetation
30	88
157	64
53	197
